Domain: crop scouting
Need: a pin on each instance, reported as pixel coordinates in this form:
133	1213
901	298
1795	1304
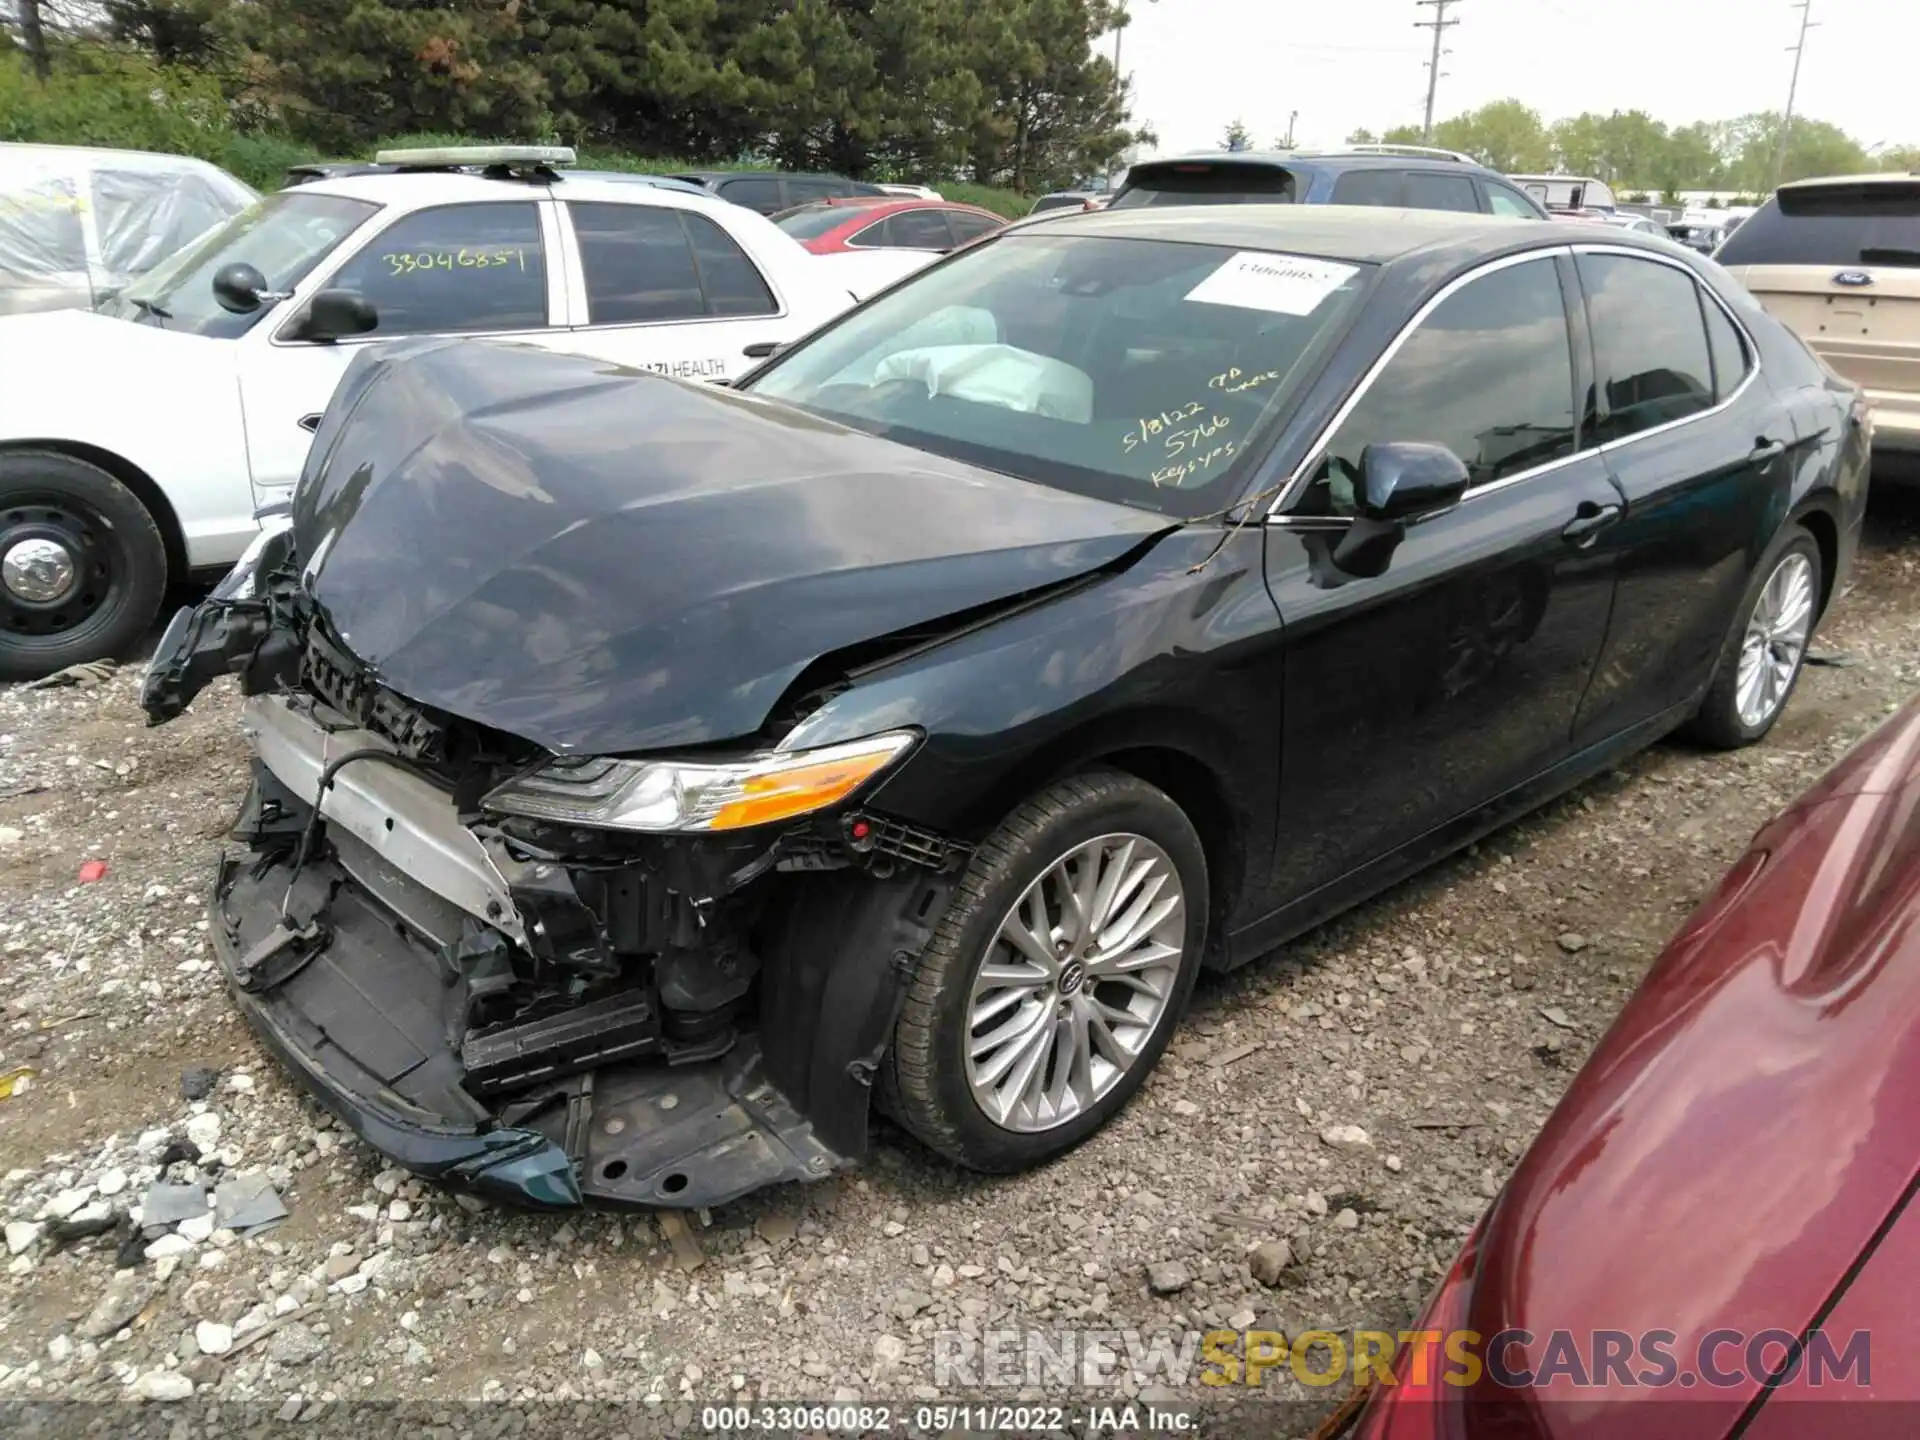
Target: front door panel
1418	696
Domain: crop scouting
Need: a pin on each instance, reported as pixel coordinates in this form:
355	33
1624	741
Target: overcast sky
1196	65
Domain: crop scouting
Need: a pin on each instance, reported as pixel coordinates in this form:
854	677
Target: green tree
1238	137
1363	136
1691	160
338	72
1506	135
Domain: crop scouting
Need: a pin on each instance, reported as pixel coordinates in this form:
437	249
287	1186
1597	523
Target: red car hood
1747	1126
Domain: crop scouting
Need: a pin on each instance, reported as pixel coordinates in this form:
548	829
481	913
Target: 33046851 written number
409	262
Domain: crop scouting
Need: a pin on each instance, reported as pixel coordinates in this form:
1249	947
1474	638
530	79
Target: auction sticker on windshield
1284	284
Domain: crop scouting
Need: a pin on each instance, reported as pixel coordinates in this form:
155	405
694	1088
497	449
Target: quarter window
1489	375
1510	202
1728	349
732	282
457	268
1649	343
971	227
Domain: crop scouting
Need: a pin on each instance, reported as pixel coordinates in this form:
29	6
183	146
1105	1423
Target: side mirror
1409	481
240	288
336	315
1399	483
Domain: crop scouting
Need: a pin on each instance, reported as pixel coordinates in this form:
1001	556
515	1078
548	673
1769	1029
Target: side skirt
1262	936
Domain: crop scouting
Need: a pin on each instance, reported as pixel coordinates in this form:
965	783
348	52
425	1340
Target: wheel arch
1170	754
144	489
1817	516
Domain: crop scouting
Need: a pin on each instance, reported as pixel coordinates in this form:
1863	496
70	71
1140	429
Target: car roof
415	189
1364	233
1871	177
90	156
1304	159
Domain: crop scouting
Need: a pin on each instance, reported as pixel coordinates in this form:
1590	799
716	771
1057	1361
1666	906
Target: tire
114	573
1793	562
928	1082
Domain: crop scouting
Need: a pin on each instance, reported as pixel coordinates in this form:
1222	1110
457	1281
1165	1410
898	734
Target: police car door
668	288
465	268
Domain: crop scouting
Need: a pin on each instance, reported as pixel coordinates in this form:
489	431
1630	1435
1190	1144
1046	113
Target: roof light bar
479	155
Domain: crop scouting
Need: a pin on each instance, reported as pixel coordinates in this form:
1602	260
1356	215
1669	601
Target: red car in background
1714	1233
828	227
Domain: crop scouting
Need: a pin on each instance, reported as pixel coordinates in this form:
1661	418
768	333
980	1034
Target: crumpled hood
602	560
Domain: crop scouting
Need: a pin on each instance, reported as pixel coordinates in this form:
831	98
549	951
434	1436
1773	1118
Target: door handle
1589	519
1765	449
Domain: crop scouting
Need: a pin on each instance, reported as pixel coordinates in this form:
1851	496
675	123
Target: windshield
810	222
1867	223
284	237
1131	370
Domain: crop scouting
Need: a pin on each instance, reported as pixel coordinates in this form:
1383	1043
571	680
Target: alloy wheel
1776	641
1076	982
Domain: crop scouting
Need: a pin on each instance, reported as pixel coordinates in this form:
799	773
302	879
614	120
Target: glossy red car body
1738	1155
828	227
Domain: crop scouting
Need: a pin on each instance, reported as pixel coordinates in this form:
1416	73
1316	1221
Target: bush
117	99
120	100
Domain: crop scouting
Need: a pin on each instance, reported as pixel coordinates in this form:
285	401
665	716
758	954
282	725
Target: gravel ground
1299	1104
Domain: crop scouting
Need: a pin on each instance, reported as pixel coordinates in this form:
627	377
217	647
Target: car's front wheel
82	564
1056	976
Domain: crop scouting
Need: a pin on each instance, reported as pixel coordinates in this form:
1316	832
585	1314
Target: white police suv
138	441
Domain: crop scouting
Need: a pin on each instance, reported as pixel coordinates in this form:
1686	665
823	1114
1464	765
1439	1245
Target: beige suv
1839	262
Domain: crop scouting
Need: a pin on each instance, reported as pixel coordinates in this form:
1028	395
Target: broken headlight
673	795
276	537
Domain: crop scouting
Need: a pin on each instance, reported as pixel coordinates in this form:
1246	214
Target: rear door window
646	264
1429	191
638	263
1649	342
1370	187
921	230
759	192
1866	223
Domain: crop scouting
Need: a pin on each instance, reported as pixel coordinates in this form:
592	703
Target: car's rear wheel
82	564
1763	657
1056	976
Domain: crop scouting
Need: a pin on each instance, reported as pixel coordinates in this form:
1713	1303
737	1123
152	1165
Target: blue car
1409	177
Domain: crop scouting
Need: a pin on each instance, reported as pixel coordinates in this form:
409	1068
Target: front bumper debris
362	1024
360	966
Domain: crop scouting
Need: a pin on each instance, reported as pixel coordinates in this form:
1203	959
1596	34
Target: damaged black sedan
649	778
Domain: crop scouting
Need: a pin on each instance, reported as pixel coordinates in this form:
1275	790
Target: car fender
163	403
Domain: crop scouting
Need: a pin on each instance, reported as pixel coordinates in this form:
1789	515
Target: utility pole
1439	25
1805	7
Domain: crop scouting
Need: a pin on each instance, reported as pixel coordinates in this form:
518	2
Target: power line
1805	7
1439	25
